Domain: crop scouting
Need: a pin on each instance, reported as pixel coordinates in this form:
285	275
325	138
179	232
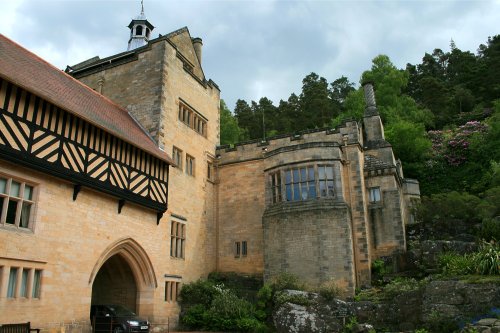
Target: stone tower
140	30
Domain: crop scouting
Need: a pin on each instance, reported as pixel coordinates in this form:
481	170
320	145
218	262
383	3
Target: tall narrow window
177	239
24	283
325	176
300	184
244	248
189	165
16	202
210	171
192	118
172	291
276	187
374	193
37	278
177	156
237	249
11	288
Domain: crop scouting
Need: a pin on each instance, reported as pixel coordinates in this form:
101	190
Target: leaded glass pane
296	192
15	187
288	177
312	190
36	284
288	188
24	283
3	185
311	173
28	192
11	288
322	188
25	215
321	172
303	174
329	172
330	188
11	212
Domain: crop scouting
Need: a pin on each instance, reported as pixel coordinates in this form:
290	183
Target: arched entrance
115	284
124	275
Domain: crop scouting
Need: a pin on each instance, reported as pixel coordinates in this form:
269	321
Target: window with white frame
16	203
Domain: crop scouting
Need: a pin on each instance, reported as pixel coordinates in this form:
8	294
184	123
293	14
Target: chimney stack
197	44
371	106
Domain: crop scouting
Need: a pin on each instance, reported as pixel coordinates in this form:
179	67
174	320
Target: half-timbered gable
85	139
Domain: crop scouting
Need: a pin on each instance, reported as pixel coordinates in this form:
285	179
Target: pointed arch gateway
124	275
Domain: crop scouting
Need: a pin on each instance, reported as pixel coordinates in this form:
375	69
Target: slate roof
97	60
32	73
373	163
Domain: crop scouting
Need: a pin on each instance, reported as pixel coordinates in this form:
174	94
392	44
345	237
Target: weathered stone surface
439	300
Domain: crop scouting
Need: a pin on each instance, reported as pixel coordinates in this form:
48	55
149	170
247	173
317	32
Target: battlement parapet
347	132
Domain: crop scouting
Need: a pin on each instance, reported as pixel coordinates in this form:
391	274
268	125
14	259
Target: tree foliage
229	130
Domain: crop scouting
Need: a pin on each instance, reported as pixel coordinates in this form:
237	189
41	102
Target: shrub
199	292
283	297
194	316
264	302
215	307
487	259
455	264
329	290
448	207
287	281
226	304
401	285
439	323
490	229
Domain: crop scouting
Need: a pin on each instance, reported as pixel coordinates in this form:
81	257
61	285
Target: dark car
116	319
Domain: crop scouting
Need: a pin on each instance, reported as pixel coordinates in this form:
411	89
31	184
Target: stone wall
151	88
310	239
241	205
440	306
69	241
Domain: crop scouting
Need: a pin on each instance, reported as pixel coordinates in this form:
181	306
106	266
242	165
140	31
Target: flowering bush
453	145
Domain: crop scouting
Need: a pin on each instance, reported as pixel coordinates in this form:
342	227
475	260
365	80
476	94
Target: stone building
90	158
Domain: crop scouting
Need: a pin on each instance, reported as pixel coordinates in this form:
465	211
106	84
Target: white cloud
258	48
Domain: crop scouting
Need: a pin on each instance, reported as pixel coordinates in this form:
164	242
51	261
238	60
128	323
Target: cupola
140	30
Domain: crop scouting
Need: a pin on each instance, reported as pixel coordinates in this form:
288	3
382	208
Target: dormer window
138	30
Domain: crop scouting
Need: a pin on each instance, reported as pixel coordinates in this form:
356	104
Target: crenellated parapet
348	132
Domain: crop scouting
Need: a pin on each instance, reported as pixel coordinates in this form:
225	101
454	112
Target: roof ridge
87	111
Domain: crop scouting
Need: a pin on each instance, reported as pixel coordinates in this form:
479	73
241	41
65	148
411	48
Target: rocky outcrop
434	305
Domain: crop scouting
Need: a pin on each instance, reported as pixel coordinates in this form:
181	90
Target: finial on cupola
140	30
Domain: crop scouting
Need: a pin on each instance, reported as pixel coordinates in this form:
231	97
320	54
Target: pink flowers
453	145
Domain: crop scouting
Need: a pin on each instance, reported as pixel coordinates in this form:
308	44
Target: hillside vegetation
442	117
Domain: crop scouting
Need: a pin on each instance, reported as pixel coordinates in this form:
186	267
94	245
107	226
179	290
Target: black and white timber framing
37	134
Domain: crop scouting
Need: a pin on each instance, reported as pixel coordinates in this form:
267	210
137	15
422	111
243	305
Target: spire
140	30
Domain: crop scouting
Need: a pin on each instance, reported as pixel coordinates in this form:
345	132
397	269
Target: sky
261	48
